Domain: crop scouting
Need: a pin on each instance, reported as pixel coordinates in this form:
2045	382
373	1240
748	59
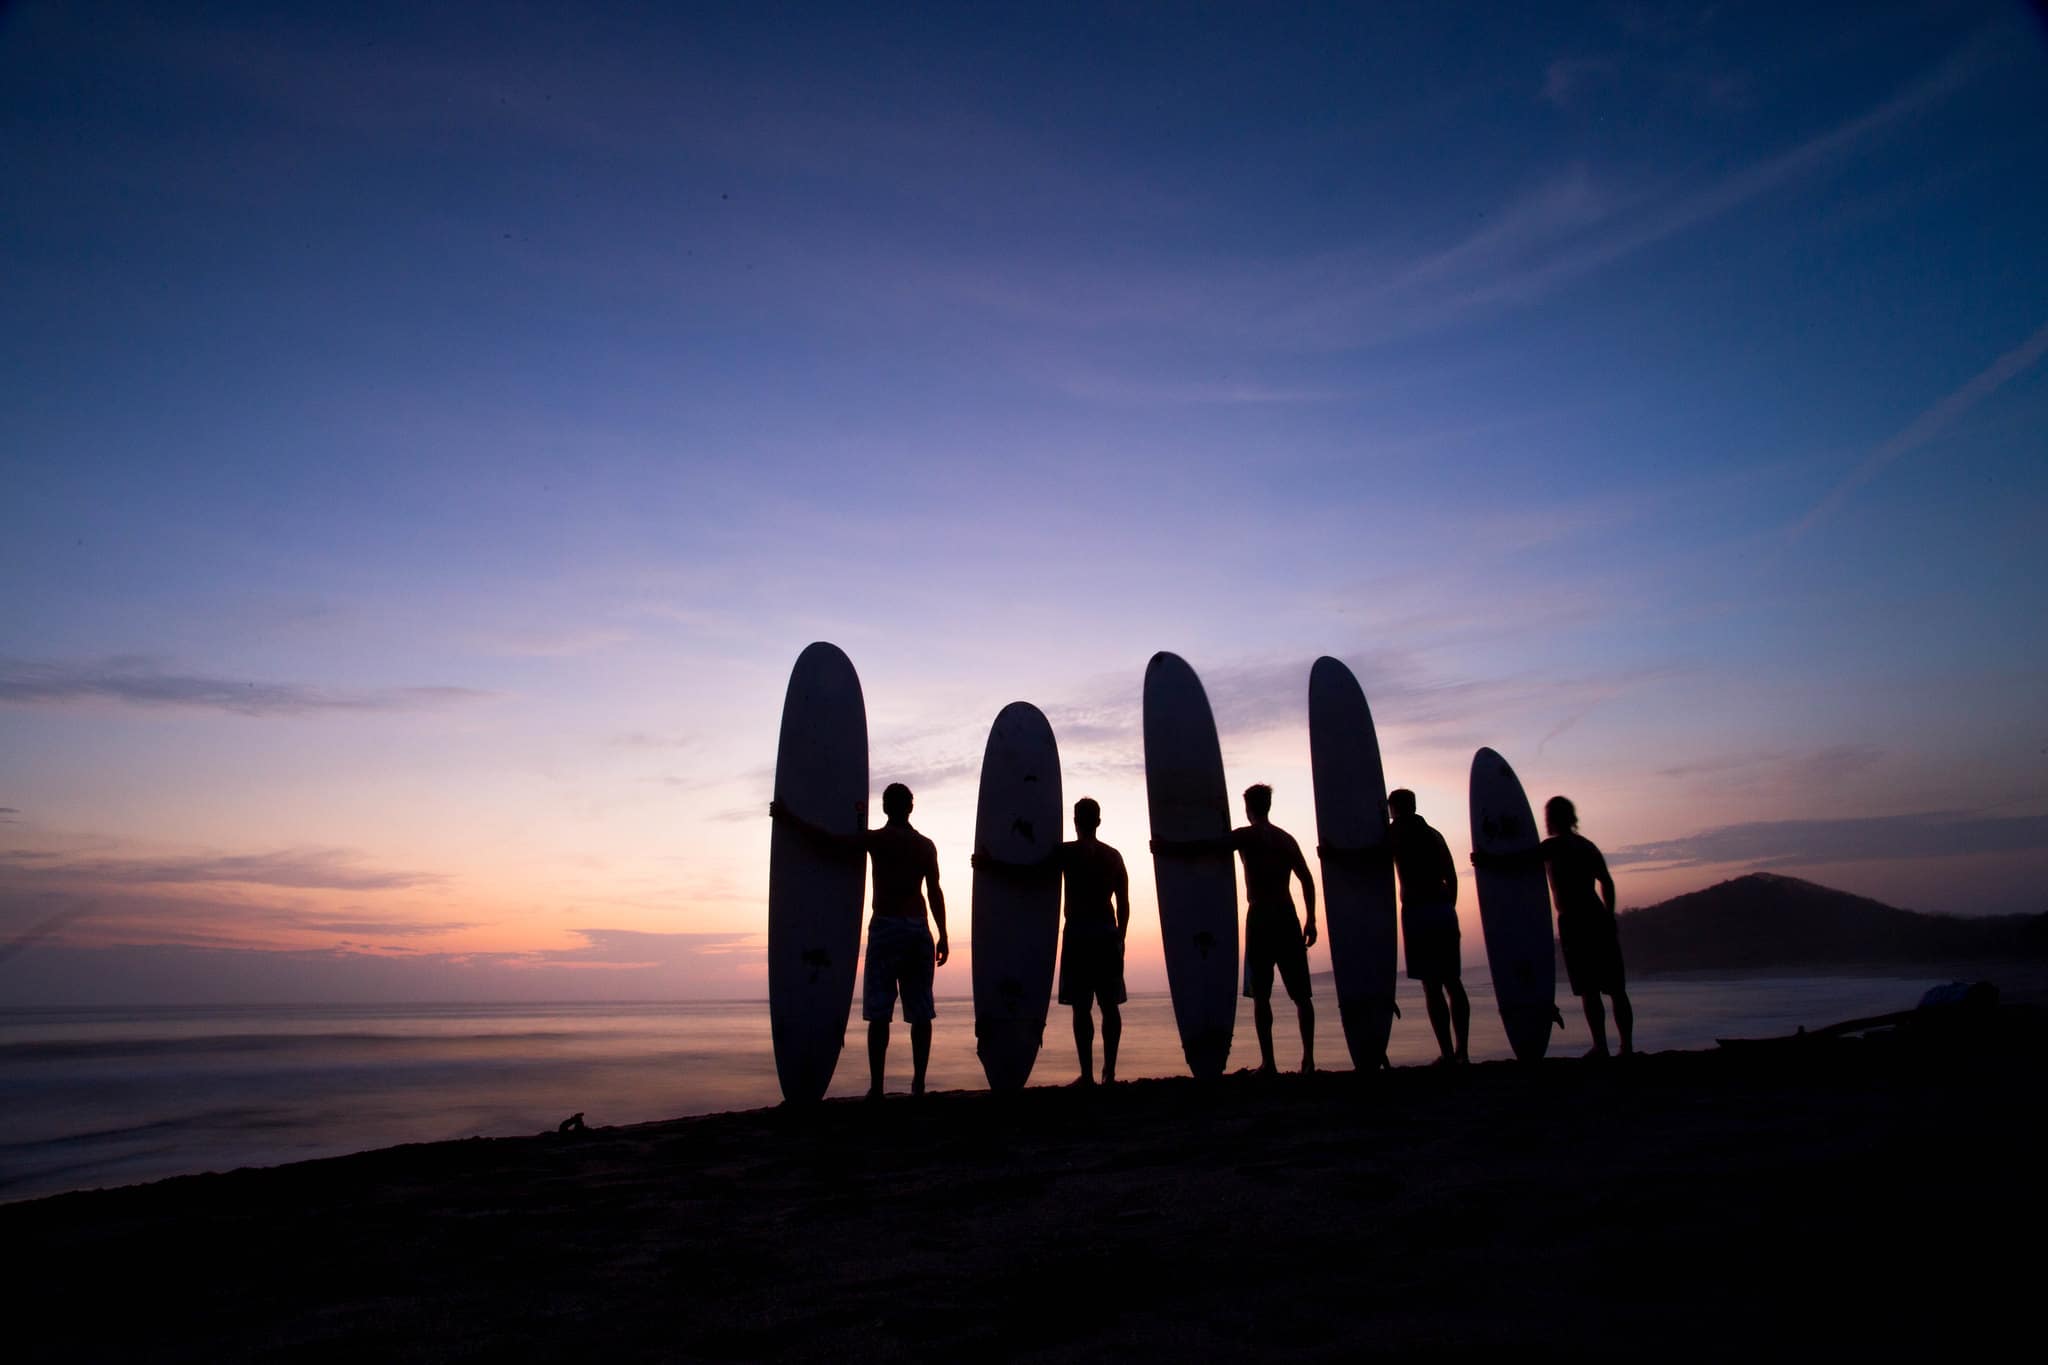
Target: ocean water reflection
92	1097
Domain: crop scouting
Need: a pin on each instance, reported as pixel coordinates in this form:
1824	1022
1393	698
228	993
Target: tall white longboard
814	890
1514	907
1185	792
1358	874
1016	916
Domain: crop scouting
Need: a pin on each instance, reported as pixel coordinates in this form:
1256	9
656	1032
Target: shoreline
1838	1191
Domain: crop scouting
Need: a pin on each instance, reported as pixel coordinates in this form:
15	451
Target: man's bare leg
1112	1034
878	1053
1305	1010
1461	1018
1625	1022
920	1053
1596	1020
1439	1016
1262	1020
1084	1043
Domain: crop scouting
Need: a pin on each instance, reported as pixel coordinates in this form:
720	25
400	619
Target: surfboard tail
1368	1027
1207	1053
1528	1029
803	1069
1008	1049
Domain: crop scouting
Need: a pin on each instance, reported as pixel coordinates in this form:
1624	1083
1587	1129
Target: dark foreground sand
1856	1196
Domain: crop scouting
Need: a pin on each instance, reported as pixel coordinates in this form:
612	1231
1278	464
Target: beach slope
1847	1193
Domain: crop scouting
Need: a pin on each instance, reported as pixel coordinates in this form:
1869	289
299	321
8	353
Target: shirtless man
1586	930
1092	948
1273	936
1098	896
900	953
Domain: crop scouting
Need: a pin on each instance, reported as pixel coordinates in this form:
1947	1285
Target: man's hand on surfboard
849	845
988	862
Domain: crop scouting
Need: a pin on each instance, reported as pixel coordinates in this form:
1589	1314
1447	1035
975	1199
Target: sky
431	433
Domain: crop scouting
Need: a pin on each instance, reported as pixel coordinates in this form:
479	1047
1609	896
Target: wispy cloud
551	644
627	948
1434	709
1930	424
390	927
133	680
1829	765
1565	226
642	739
299	869
1795	843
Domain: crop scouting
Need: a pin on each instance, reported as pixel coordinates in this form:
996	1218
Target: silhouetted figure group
902	954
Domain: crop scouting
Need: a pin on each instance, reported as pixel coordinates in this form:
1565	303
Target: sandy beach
1835	1194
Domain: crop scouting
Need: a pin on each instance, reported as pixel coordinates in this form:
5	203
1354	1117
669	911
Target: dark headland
1841	1195
1764	921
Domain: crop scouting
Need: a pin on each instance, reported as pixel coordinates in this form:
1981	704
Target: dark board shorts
1430	935
1592	951
1091	965
1272	940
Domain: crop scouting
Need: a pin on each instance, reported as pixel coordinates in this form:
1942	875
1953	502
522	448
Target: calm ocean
95	1097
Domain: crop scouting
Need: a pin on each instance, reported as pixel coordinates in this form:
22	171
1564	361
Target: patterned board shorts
899	954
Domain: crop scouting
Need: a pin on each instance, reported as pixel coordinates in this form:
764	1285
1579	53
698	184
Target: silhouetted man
1098	894
1585	923
1429	922
901	954
1273	936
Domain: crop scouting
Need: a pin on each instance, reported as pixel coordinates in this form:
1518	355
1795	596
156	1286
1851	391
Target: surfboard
1358	891
814	891
1186	797
1016	918
1514	908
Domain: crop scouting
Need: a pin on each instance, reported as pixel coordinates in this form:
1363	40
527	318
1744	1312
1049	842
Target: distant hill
1763	920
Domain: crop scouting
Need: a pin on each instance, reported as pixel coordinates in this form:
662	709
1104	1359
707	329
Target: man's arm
1373	856
1449	874
1036	870
849	845
940	950
1507	862
1308	897
1220	843
1123	899
1606	880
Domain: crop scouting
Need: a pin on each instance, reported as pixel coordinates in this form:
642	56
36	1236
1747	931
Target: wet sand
1859	1195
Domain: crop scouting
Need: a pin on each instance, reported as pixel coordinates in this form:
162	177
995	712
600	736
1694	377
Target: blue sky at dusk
432	432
